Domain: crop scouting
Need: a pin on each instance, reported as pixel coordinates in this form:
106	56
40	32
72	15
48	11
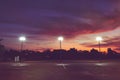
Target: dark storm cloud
58	17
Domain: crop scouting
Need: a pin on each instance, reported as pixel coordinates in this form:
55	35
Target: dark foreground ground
64	70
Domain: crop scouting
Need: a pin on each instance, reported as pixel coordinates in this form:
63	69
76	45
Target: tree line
58	54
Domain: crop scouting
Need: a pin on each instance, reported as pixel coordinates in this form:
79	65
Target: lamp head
60	38
22	38
99	38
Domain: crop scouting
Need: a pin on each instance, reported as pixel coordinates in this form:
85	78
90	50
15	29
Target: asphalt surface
64	70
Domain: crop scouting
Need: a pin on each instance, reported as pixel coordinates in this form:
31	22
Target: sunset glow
43	21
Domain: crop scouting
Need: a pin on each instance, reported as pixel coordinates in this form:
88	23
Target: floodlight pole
21	46
99	46
60	44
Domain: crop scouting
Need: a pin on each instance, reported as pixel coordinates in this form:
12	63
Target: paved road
65	70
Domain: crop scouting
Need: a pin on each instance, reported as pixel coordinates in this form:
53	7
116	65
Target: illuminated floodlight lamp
60	39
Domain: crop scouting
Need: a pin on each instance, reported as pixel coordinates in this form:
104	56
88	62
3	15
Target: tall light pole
99	39
22	39
60	39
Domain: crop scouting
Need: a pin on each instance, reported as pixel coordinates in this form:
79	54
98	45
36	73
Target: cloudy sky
78	21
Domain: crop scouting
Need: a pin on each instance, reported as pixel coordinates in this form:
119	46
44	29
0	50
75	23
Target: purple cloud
108	42
54	18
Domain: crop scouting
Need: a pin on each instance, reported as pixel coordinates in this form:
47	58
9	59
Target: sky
43	21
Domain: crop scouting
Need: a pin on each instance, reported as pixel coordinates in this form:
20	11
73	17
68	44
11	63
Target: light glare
60	38
99	38
22	38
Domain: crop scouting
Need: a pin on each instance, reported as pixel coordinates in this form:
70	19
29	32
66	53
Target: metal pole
99	46
21	46
60	44
18	57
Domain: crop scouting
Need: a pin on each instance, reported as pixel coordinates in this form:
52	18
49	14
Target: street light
60	39
99	39
22	39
